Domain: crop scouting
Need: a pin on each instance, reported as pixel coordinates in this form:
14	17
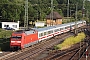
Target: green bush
4	33
5	39
0	49
70	41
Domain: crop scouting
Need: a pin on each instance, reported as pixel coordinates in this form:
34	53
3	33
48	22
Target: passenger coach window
56	30
72	25
66	27
49	32
41	34
45	33
52	31
61	28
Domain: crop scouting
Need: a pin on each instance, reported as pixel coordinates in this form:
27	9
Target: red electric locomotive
23	38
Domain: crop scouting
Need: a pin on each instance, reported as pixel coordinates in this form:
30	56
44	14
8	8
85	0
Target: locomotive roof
23	31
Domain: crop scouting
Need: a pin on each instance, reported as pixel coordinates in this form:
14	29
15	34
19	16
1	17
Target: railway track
68	52
76	53
31	52
81	52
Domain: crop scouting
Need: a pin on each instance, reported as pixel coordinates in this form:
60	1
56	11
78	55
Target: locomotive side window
30	32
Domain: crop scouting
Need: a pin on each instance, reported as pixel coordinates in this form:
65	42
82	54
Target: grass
5	39
70	41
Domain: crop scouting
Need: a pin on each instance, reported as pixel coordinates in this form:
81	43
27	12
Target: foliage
39	9
5	34
4	44
5	39
70	41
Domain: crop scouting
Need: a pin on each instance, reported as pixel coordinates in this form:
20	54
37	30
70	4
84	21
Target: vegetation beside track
5	33
5	39
70	41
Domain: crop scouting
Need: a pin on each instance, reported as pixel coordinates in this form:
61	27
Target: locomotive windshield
17	37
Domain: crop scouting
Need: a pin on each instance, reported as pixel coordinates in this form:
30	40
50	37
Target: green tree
39	9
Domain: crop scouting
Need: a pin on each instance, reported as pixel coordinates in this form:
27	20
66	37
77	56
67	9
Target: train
28	37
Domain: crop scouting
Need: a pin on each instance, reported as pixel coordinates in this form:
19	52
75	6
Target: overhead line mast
52	12
26	15
68	9
83	8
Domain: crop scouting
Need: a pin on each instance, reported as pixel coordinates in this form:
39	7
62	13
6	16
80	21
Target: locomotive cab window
16	37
